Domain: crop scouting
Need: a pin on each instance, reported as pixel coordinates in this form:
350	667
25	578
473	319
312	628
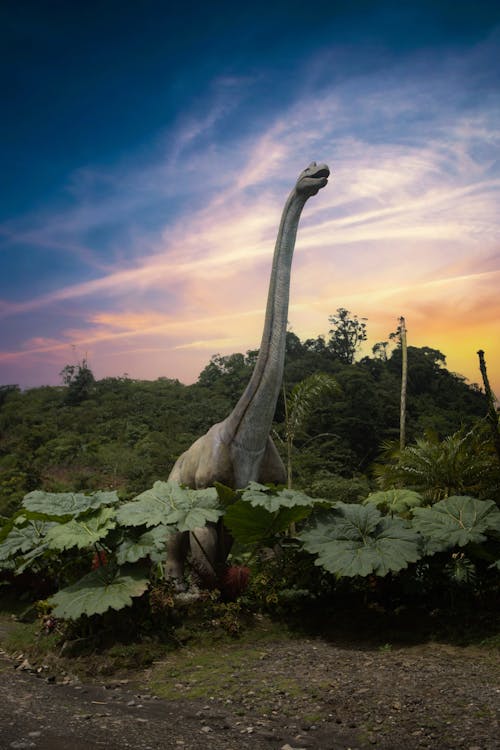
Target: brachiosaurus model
239	449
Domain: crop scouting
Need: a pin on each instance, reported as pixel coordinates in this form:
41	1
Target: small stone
206	729
131	703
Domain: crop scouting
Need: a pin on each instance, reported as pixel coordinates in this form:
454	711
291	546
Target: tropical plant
259	514
456	522
299	405
77	525
356	540
99	591
459	464
394	501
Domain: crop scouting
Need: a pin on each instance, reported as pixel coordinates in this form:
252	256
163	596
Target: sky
147	150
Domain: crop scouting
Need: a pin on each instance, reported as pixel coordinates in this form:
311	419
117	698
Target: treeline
124	434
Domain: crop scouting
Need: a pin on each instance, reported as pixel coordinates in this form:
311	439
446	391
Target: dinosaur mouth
323	172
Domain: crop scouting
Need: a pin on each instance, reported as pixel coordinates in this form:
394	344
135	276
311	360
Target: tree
380	350
492	415
80	381
346	335
404	381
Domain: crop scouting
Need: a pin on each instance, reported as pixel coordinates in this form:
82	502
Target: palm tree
300	404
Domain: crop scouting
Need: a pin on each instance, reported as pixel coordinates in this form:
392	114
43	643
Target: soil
263	695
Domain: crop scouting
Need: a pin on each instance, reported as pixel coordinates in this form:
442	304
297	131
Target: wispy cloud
409	224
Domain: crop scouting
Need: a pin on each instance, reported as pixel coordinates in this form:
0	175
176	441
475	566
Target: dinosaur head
312	179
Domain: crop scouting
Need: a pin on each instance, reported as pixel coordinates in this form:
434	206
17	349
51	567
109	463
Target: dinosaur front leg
177	550
204	545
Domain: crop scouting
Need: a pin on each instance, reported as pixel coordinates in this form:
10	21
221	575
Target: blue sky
146	154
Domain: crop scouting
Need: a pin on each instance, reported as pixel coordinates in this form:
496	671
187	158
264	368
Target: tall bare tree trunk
492	415
289	441
404	378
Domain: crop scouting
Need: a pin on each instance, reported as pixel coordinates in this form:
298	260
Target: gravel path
301	693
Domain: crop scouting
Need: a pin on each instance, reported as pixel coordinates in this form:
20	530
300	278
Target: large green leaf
168	503
355	540
256	525
94	594
148	544
26	561
260	496
22	539
67	503
82	532
456	521
395	501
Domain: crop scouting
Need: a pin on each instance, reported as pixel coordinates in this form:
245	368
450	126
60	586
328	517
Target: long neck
250	421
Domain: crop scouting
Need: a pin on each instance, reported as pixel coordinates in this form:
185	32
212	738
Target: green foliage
82	532
168	503
53	525
460	463
23	538
257	525
123	435
79	380
150	544
340	489
67	503
99	591
261	513
300	405
356	540
304	397
456	521
346	335
262	496
395	501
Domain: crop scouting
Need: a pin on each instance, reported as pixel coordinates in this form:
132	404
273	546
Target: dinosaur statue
239	449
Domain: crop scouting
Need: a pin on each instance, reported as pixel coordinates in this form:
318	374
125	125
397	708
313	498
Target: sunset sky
147	149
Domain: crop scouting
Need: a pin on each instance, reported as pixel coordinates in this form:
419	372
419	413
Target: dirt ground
290	693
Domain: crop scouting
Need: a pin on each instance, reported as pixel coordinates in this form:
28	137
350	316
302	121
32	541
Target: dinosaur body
239	449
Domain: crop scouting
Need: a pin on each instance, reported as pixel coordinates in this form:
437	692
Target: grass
231	674
26	638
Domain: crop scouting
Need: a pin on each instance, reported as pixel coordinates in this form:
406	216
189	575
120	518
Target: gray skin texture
239	450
